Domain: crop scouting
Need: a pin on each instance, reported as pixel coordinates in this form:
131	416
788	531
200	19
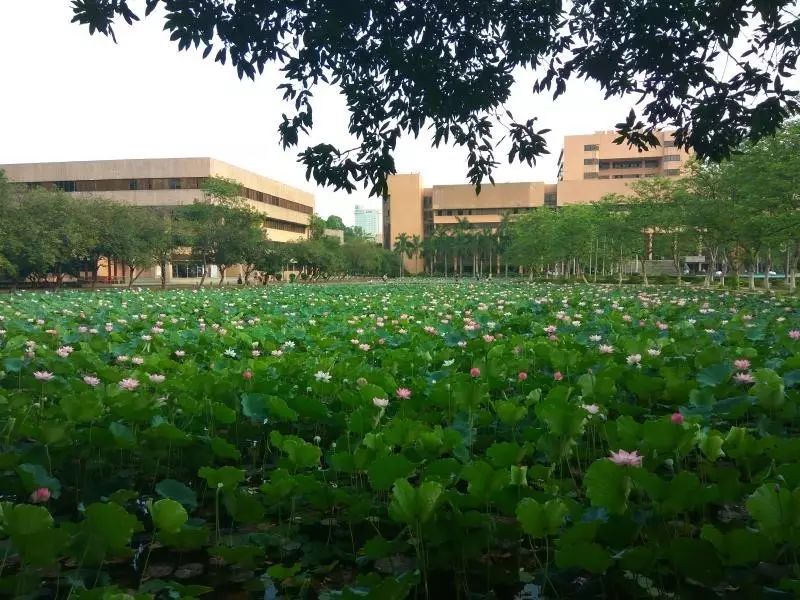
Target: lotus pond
390	441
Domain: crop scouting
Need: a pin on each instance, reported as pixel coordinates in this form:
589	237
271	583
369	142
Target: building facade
161	182
368	219
589	167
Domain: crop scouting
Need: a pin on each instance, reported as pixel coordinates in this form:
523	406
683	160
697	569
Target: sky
71	96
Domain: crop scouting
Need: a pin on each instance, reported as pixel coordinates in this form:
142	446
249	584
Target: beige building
170	182
592	165
589	167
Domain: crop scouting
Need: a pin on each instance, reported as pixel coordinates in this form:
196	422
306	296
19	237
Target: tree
335	222
415	247
222	190
450	66
403	247
531	238
658	208
316	227
624	233
357	233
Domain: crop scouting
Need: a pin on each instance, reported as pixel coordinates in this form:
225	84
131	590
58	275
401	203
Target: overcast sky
67	95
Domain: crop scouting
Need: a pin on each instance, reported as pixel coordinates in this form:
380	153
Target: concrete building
592	165
368	219
589	167
172	182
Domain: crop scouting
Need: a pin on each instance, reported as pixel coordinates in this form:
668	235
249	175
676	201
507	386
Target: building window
605	165
284	226
651	163
65	186
603	177
626	164
669	143
591	148
174	183
590	161
672	172
183	270
133	184
590	175
550	199
672	158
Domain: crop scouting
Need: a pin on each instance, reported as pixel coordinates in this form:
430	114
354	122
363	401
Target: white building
368	219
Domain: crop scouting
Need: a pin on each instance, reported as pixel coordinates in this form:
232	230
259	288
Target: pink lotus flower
40	495
627	459
248	375
677	418
43	375
91	380
403	393
605	349
744	378
558	376
741	364
64	351
129	384
522	376
380	402
180	353
475	372
156	377
550	329
592	409
794	334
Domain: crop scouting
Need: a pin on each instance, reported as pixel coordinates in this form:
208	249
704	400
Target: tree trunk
205	272
163	274
644	273
767	269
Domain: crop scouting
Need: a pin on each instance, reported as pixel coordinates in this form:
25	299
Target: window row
465	212
162	183
284	226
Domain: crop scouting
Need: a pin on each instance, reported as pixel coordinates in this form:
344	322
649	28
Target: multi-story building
368	220
589	167
160	182
592	165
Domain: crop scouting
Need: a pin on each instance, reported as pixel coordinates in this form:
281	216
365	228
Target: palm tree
402	246
462	240
429	253
415	247
503	240
443	242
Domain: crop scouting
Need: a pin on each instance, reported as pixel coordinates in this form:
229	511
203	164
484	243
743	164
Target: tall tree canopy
713	70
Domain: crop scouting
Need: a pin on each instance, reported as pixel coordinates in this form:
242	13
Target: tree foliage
450	67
